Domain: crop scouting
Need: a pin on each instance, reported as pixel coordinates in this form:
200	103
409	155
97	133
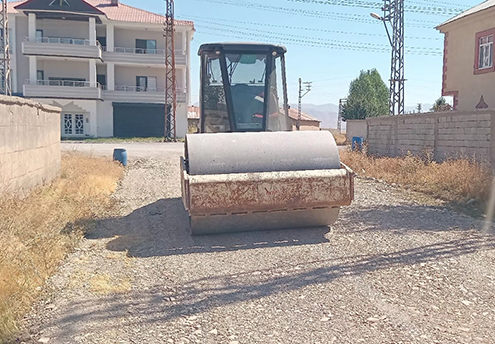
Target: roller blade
256	221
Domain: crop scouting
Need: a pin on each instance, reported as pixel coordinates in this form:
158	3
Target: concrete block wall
356	127
29	144
445	135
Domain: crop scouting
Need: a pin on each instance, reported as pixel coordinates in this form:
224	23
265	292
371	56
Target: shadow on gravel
406	217
162	229
164	303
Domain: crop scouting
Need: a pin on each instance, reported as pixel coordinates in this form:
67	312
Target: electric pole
301	95
5	86
393	12
170	79
339	118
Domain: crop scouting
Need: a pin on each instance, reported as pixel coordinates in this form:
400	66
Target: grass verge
456	181
37	232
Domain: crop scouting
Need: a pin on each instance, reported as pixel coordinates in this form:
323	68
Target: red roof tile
122	12
293	113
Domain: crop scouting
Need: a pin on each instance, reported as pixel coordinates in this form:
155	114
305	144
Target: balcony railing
61	46
59	40
139	51
68	83
72	89
141	93
146	56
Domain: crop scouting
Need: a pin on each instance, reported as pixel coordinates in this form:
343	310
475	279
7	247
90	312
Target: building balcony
142	56
139	94
63	47
62	89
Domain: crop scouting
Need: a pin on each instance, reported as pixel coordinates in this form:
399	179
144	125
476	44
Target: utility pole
393	12
339	118
301	95
170	79
5	86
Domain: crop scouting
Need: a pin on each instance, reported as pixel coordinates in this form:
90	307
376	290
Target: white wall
105	119
64	69
127	75
126	38
86	107
21	25
63	28
181	120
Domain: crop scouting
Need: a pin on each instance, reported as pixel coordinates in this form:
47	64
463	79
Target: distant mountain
326	113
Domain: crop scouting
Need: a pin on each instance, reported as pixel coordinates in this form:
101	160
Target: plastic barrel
120	154
357	143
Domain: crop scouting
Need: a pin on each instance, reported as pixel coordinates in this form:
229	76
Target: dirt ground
391	270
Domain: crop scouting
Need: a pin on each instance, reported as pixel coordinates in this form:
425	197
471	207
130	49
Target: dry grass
36	233
340	139
456	181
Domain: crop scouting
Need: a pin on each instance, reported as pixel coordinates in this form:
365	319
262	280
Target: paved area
391	270
134	150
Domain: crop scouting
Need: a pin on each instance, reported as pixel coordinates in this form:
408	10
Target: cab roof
242	46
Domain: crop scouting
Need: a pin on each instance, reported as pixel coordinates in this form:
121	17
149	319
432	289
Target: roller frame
256	195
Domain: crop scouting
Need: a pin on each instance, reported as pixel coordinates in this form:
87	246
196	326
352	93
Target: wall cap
11	100
435	114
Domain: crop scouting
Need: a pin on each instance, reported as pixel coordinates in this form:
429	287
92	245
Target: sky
328	44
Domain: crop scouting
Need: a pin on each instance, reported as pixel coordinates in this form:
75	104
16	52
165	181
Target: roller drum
218	166
224	153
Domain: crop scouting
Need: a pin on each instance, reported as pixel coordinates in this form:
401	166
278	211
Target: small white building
101	61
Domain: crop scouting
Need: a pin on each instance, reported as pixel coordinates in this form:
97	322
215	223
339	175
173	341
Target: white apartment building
101	61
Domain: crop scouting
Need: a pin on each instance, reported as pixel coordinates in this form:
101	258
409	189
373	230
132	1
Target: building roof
478	8
293	113
122	12
193	113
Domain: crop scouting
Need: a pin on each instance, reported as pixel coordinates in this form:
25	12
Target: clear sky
327	44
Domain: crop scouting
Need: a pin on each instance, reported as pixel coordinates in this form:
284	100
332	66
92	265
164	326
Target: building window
146	83
40	75
60	3
145	46
486	52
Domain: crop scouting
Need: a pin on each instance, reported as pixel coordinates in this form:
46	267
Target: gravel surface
391	270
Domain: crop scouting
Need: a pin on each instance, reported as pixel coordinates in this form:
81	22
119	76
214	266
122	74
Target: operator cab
243	88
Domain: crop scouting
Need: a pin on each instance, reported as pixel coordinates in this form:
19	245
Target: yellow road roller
246	169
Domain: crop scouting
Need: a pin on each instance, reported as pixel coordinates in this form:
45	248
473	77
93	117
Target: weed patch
456	181
37	232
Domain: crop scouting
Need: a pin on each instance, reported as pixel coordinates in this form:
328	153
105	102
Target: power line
216	20
314	39
271	38
430	10
312	13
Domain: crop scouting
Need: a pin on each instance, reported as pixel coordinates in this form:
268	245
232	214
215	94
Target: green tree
368	97
441	105
419	108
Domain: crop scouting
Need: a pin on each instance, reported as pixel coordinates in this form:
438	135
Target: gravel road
391	270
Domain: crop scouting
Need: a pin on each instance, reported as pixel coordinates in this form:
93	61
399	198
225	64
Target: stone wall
29	144
446	134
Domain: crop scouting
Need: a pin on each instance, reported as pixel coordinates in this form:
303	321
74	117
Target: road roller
246	169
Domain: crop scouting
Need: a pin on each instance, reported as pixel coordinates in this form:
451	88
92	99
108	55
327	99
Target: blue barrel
120	154
357	143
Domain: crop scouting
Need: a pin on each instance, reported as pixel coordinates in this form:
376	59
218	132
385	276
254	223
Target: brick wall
446	134
29	144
